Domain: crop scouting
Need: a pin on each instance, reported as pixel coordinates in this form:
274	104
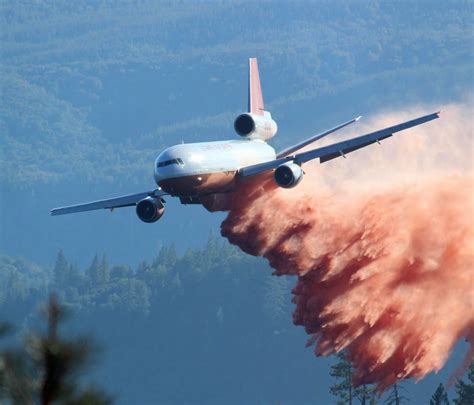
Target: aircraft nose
168	164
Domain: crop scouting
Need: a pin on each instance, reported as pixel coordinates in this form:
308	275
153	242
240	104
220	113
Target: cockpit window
177	161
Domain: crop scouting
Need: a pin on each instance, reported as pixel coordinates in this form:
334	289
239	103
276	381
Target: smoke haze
382	244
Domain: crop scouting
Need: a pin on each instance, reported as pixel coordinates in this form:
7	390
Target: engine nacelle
288	175
255	126
150	209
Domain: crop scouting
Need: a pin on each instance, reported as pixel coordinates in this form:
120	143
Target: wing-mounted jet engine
150	209
288	175
256	123
208	173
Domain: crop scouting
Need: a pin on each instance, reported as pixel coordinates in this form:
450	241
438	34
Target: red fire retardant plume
382	245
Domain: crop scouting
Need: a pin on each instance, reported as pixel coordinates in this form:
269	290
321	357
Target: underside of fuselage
199	185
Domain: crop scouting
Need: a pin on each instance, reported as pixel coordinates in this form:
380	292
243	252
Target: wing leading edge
294	148
335	150
110	203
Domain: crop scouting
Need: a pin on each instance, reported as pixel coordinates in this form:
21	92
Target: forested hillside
207	326
91	92
94	90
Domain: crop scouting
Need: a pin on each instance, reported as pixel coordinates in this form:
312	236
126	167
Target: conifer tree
344	388
60	270
167	256
396	396
440	397
98	272
342	371
46	372
121	272
365	394
104	271
92	271
465	391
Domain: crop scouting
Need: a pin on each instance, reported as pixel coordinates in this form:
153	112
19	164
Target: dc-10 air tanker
197	172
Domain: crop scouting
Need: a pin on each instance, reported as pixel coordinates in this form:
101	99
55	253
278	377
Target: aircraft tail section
256	105
256	123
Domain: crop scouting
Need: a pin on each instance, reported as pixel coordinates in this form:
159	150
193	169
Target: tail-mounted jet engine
254	126
288	175
150	209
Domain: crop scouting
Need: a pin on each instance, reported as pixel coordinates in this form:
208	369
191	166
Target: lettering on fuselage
218	146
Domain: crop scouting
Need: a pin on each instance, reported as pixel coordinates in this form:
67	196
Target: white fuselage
199	169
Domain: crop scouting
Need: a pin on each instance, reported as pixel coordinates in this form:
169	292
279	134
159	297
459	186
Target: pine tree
104	271
167	256
342	371
440	397
465	391
396	396
60	271
67	276
365	394
46	372
93	271
121	271
98	272
344	388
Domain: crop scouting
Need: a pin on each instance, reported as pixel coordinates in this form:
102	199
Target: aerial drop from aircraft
383	263
205	172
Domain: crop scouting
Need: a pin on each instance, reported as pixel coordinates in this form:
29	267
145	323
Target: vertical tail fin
255	91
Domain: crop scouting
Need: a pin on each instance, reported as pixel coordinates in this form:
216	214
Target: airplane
195	172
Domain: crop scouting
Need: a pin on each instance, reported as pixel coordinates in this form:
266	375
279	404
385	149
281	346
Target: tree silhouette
47	370
344	388
168	255
465	391
60	269
104	271
92	272
396	396
342	371
98	273
440	397
365	394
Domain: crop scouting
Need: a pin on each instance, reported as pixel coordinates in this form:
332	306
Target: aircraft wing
294	148
110	203
338	149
